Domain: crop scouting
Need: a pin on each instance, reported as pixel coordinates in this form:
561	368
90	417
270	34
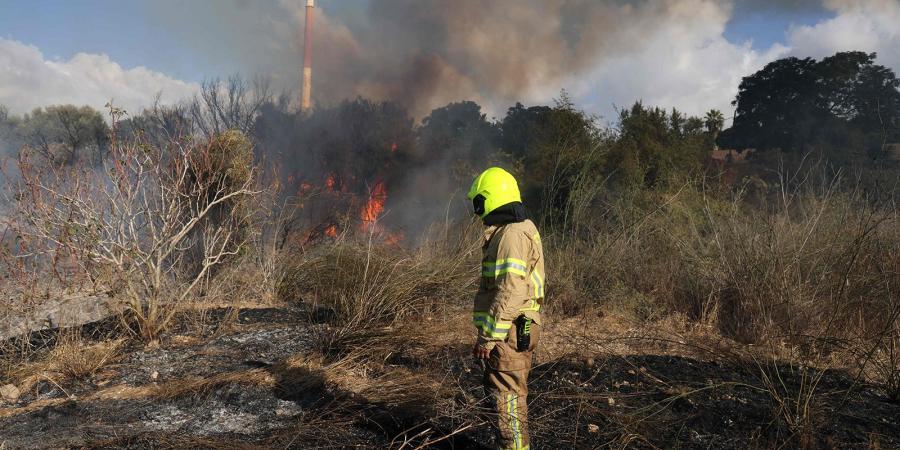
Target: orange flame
393	239
331	231
329	182
374	205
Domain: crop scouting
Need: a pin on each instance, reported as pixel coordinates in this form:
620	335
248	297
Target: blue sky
765	28
128	31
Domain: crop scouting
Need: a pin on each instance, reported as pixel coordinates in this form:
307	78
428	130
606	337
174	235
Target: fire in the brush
374	205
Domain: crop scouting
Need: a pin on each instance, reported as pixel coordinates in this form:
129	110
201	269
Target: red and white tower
306	87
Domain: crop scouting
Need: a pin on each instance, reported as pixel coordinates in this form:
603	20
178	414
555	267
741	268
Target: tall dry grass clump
359	285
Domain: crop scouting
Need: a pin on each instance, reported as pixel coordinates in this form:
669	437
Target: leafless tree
132	225
231	105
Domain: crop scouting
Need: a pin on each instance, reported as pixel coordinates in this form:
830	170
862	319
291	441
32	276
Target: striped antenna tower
306	86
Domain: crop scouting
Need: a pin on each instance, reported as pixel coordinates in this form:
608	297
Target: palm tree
714	121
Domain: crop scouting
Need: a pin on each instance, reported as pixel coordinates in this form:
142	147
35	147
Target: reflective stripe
538	284
512	407
490	327
533	305
502	266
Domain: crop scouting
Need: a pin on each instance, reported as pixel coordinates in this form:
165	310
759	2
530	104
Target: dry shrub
628	258
822	269
818	264
367	284
152	226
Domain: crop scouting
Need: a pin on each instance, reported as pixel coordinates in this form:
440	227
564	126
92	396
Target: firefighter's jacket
512	280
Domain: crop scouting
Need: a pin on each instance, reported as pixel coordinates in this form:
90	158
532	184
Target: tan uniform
512	284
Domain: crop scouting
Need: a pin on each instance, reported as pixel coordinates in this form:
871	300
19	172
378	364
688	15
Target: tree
9	137
714	122
60	133
796	105
357	143
232	105
460	134
157	125
653	145
151	227
554	145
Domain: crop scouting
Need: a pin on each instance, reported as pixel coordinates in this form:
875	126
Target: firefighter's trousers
506	383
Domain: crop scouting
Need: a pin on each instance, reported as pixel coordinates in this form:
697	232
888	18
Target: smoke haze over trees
424	55
843	105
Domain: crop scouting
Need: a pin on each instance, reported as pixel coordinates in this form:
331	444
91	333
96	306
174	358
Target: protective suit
507	307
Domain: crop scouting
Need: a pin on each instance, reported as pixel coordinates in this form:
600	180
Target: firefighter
507	312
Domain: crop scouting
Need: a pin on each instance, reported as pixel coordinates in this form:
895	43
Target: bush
359	286
151	226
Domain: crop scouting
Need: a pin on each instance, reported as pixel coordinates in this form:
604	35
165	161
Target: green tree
61	133
797	105
652	146
553	144
9	137
714	122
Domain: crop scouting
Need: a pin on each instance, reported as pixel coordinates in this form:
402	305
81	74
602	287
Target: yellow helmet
497	187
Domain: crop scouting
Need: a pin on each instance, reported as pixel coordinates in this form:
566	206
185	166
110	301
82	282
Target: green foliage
844	105
9	138
654	146
222	166
61	133
555	146
714	121
230	155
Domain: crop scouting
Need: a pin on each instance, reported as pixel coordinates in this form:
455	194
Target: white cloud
867	25
29	80
681	60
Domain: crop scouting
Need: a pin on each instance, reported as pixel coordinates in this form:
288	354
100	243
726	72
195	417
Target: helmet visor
478	204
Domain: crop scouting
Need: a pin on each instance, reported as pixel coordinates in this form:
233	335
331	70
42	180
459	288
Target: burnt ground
236	387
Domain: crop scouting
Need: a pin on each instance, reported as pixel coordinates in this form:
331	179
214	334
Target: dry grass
822	264
72	359
812	283
200	386
362	287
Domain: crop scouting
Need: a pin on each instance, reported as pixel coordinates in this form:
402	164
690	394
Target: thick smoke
427	53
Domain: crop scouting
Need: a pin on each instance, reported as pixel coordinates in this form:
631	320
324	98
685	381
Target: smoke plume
427	53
